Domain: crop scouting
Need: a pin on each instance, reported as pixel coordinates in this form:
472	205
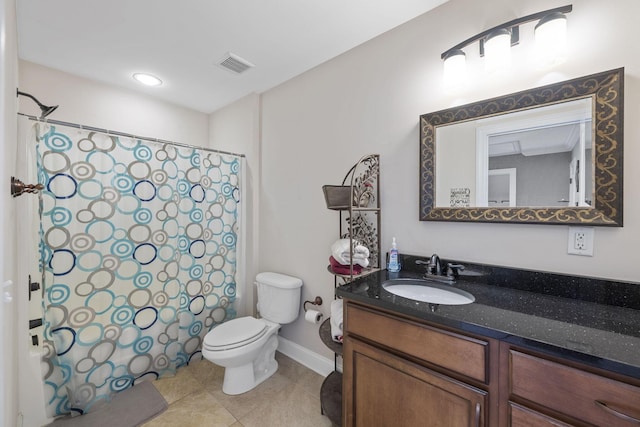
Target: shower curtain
138	251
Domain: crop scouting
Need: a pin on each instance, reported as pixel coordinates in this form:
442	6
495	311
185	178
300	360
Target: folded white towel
360	250
340	251
345	260
340	245
336	320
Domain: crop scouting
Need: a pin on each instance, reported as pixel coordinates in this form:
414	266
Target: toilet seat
235	333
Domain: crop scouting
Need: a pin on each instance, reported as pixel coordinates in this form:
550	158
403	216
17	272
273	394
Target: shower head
47	110
44	109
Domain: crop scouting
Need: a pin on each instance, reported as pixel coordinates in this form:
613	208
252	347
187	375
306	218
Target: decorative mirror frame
607	91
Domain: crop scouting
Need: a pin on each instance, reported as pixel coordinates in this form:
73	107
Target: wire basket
337	197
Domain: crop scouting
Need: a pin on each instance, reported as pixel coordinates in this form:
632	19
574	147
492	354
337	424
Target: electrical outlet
580	241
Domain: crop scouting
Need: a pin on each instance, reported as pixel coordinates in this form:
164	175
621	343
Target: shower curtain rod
127	135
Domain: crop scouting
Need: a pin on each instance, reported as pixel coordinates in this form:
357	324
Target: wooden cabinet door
381	389
584	396
520	416
454	352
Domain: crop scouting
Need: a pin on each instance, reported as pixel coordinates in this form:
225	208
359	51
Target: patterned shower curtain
138	251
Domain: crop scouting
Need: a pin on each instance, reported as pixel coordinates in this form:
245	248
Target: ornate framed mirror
549	155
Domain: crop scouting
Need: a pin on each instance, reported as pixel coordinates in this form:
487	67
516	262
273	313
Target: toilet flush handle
257	303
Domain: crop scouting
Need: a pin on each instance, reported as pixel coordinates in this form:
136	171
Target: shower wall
94	104
236	128
8	303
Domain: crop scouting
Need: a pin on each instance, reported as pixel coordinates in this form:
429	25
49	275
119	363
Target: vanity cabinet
520	416
400	372
544	392
403	371
388	390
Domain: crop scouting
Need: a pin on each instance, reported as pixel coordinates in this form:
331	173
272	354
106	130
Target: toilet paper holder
317	301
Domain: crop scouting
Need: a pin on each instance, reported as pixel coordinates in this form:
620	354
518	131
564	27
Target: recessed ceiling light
147	79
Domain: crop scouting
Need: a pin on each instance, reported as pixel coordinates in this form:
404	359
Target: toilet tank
278	297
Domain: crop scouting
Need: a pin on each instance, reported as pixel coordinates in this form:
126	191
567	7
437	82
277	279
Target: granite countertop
592	321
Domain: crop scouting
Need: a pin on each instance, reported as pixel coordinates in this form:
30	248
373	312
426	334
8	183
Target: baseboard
306	357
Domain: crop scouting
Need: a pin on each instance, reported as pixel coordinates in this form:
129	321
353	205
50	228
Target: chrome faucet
453	270
435	266
435	269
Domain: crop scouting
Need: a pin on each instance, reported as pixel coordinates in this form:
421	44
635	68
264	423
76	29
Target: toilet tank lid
279	280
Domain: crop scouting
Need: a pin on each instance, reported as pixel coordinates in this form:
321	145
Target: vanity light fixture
495	43
455	68
147	79
497	51
551	38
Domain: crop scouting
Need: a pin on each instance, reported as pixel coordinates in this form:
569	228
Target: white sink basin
428	291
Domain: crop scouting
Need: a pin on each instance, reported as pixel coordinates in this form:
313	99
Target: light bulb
551	39
497	51
455	69
147	79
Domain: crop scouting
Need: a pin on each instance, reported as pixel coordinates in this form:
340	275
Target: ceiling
550	129
535	142
181	41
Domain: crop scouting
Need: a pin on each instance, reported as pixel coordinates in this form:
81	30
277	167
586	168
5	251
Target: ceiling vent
234	63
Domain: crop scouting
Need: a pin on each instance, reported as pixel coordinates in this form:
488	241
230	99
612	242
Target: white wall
236	128
315	126
456	162
92	103
8	131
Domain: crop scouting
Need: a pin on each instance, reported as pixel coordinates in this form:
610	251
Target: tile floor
290	398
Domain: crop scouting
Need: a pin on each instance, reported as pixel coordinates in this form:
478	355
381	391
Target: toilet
246	346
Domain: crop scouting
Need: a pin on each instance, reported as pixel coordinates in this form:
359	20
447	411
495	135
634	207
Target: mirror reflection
547	155
537	158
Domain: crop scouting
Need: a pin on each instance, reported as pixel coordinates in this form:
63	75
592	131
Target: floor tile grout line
297	376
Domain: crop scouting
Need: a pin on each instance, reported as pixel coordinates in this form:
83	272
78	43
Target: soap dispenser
394	265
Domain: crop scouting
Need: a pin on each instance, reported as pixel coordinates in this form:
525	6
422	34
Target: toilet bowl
246	346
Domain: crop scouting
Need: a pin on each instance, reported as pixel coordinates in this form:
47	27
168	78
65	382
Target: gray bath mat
130	408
